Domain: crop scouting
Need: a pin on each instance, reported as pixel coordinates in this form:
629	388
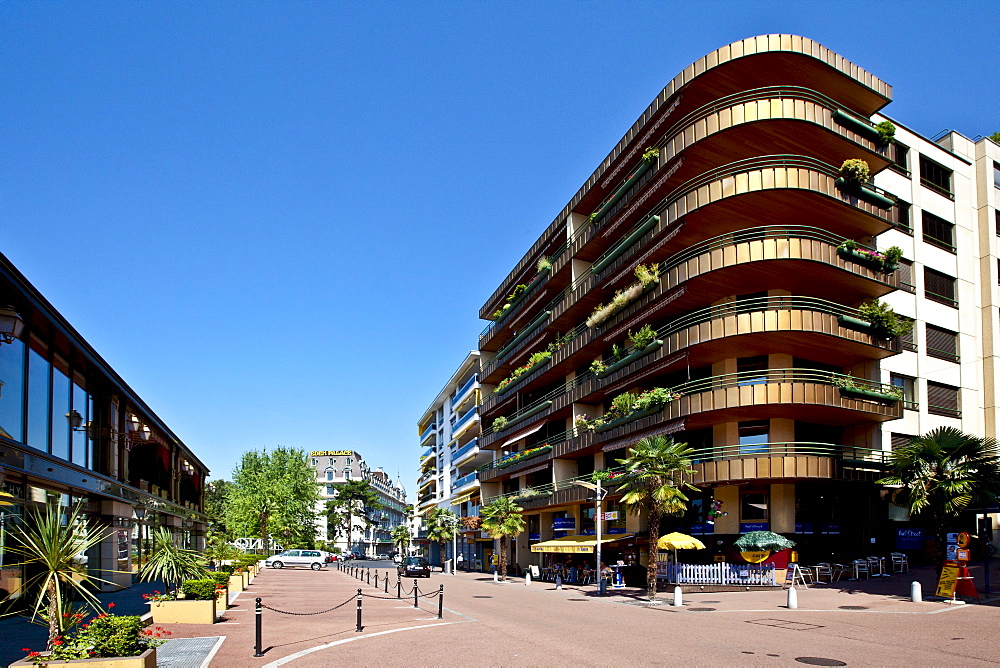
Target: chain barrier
308	614
381	598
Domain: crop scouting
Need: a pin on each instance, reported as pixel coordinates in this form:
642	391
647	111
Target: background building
723	221
72	431
333	469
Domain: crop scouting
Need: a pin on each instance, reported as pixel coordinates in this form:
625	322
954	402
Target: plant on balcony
609	478
854	171
534	361
521	288
647	276
515	457
544	264
850	384
887	260
651	154
886	132
628	406
500	423
472	523
598	367
642	338
885	322
529	493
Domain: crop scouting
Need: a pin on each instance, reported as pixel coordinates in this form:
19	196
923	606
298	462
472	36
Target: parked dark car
414	567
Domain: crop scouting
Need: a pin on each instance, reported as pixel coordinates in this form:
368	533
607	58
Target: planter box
523	334
145	660
222	600
183	612
535	282
869	394
521	418
623	245
861	192
514	383
858	126
518	460
631	417
628	359
236	582
854	323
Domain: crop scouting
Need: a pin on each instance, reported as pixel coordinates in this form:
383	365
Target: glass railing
464	480
465	449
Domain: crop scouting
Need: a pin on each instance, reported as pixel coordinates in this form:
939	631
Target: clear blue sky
277	221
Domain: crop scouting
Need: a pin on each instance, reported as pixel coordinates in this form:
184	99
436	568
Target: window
935	176
907	384
754	436
329	474
939	287
996	175
747	365
753	506
330	490
997	212
908	340
12	390
942	343
901	440
905	272
943	400
903	217
38	399
939	232
898	153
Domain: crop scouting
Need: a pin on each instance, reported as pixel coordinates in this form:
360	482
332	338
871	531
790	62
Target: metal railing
465	388
464	480
427	432
468	447
457	424
539	491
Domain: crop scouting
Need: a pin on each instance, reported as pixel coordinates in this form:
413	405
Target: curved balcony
796	460
747	261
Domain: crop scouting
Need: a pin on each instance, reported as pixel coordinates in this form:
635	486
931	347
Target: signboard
962	554
534	536
701	528
909	539
756	556
803	527
946	583
963	539
951	552
609	516
331	453
951	538
746	527
564	524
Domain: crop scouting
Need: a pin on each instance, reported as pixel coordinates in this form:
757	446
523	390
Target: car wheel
317	566
277	564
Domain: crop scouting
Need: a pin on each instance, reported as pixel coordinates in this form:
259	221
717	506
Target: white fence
720	573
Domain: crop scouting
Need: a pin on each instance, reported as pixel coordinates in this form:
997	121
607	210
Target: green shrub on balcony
848	385
886	132
517	457
535	361
648	277
887	261
855	172
629	406
500	423
650	155
885	322
544	264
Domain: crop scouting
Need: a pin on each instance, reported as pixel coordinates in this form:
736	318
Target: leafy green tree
995	137
273	493
656	467
942	474
355	495
51	550
502	518
442	525
215	507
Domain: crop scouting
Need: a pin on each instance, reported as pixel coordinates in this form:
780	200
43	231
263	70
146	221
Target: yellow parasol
679	541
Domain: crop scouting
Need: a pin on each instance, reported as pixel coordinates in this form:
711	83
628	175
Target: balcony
461	422
787	460
468	450
428	432
464	481
462	391
427	454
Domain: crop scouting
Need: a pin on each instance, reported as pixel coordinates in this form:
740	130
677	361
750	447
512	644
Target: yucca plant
51	549
169	563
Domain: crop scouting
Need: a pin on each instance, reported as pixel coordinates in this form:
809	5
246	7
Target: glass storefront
12	390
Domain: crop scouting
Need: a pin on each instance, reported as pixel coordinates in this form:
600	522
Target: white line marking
299	655
208	659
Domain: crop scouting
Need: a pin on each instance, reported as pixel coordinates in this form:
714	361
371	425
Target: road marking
211	655
299	655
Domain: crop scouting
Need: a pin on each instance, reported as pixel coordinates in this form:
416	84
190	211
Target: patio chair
900	563
824	570
839	570
876	566
860	566
796	575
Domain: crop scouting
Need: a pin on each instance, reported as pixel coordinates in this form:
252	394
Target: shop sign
564	523
909	539
946	583
803	527
702	528
331	453
609	516
534	536
746	527
588	532
831	528
616	530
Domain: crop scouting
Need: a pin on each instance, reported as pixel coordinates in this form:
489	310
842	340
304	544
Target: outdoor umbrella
679	541
762	541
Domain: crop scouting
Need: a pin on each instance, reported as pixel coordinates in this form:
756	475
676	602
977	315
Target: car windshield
416	561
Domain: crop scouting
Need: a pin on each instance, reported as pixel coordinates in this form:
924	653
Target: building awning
576	544
462	498
521	434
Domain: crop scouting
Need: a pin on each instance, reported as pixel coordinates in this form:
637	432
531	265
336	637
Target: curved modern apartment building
719	223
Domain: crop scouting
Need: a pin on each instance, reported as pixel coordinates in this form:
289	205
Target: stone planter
236	582
145	660
183	612
222	600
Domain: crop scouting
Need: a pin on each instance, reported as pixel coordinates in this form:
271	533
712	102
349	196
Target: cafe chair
900	563
860	566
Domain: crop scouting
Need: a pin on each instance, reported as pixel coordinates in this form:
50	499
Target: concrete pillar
564	469
781	509
114	553
730	497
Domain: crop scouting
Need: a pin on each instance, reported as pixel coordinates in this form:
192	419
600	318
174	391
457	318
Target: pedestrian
461	560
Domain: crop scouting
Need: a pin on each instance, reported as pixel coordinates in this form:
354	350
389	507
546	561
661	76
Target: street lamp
599	494
11	324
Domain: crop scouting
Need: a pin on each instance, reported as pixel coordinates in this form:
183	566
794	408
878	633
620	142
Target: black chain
308	614
383	598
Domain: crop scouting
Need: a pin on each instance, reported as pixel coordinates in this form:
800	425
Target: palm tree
943	473
442	525
52	550
170	563
656	467
501	517
401	538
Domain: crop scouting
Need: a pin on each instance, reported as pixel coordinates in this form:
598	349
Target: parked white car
314	559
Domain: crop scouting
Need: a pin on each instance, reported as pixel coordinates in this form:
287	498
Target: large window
942	343
943	400
753	506
12	390
749	365
940	287
939	232
906	383
61	408
38	400
903	217
905	272
754	436
899	154
936	177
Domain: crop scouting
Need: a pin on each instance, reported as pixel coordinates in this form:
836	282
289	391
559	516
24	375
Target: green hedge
199	590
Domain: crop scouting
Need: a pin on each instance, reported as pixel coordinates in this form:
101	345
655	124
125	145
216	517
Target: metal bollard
527	578
415	604
368	575
399	587
359	611
558	582
440	601
376	579
793	598
257	614
916	595
678	597
386	583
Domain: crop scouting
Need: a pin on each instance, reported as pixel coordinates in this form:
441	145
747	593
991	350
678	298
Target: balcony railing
464	480
429	452
427	432
464	450
465	388
460	422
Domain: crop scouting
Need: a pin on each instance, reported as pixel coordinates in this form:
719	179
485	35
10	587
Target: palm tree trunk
54	618
503	558
654	537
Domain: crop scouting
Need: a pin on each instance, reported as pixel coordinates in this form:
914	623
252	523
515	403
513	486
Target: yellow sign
964	539
946	583
331	453
757	556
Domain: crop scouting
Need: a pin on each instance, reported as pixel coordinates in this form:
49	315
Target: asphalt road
487	623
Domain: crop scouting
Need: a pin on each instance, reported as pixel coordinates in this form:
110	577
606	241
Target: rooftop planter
519	457
623	245
648	279
507	423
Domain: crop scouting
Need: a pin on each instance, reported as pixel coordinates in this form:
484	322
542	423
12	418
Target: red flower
33	654
111	605
25	649
57	642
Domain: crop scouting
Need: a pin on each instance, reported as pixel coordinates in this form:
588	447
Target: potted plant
853	179
196	607
886	132
221	579
105	641
884	393
886	261
885	322
648	278
169	563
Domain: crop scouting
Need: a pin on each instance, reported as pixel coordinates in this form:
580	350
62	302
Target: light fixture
11	324
75	420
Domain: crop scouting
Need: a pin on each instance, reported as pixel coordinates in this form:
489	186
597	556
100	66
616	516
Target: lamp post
599	494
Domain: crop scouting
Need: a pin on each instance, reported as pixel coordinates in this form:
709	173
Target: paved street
485	623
